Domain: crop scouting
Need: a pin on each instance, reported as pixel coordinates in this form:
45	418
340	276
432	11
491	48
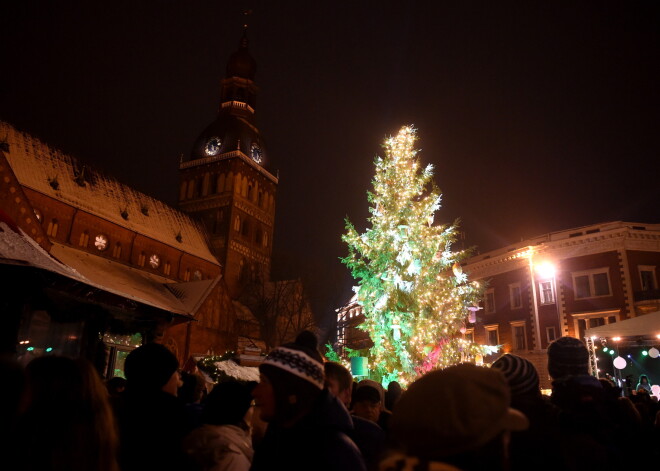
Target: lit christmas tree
412	290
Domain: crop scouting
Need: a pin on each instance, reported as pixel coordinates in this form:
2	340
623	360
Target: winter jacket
220	448
318	441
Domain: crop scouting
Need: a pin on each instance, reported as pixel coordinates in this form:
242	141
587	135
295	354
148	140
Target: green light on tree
412	290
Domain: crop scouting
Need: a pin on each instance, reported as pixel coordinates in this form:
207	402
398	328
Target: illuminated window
167	268
237	223
647	278
515	296
489	301
154	261
84	239
518	335
116	251
592	283
141	259
547	292
101	242
492	334
265	239
51	231
186	275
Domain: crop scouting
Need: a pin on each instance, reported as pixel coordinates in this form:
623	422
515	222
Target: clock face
212	146
101	242
256	155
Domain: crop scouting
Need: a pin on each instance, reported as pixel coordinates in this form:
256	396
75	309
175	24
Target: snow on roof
19	247
242	373
38	166
123	280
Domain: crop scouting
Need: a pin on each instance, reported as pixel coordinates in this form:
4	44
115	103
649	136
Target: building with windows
549	286
131	268
563	283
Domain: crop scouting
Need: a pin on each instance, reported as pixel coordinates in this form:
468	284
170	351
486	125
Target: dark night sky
538	116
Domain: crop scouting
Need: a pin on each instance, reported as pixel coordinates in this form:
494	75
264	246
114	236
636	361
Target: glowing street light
545	270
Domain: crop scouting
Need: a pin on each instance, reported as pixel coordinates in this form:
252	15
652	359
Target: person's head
643	379
70	395
192	389
520	375
377	386
116	386
567	356
455	415
152	367
228	404
392	395
367	403
291	379
339	381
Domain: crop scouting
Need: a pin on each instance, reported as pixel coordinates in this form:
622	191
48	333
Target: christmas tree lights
413	293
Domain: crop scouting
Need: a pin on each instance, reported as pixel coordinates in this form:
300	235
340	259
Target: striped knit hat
520	374
297	361
567	356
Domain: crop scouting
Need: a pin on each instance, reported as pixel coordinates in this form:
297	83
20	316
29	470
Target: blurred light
49	349
29	349
545	270
616	339
605	347
644	352
593	337
611	352
629	356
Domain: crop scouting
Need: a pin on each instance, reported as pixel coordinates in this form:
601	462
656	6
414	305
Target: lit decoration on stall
619	363
653	352
414	294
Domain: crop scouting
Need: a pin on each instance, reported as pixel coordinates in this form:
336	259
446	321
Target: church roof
57	175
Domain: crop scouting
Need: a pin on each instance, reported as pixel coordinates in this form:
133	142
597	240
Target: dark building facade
225	181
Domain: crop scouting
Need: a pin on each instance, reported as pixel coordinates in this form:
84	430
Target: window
167	268
186	275
492	334
592	283
237	223
515	295
154	261
647	278
182	191
101	242
84	239
265	239
221	183
519	335
489	301
141	259
550	334
52	228
547	292
205	184
116	251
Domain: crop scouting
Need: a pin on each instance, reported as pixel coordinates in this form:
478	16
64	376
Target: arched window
116	251
237	183
221	183
265	239
245	228
205	184
191	188
182	190
237	223
258	235
229	182
141	259
244	187
84	239
52	228
186	275
167	268
260	199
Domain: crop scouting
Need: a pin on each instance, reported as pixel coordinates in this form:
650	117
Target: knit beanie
520	374
567	356
296	373
150	366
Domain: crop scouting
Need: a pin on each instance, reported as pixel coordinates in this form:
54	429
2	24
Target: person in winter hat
567	356
455	418
307	426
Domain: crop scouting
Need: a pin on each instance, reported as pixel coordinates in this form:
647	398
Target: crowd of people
307	414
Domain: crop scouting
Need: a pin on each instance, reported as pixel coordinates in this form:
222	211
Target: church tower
225	182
